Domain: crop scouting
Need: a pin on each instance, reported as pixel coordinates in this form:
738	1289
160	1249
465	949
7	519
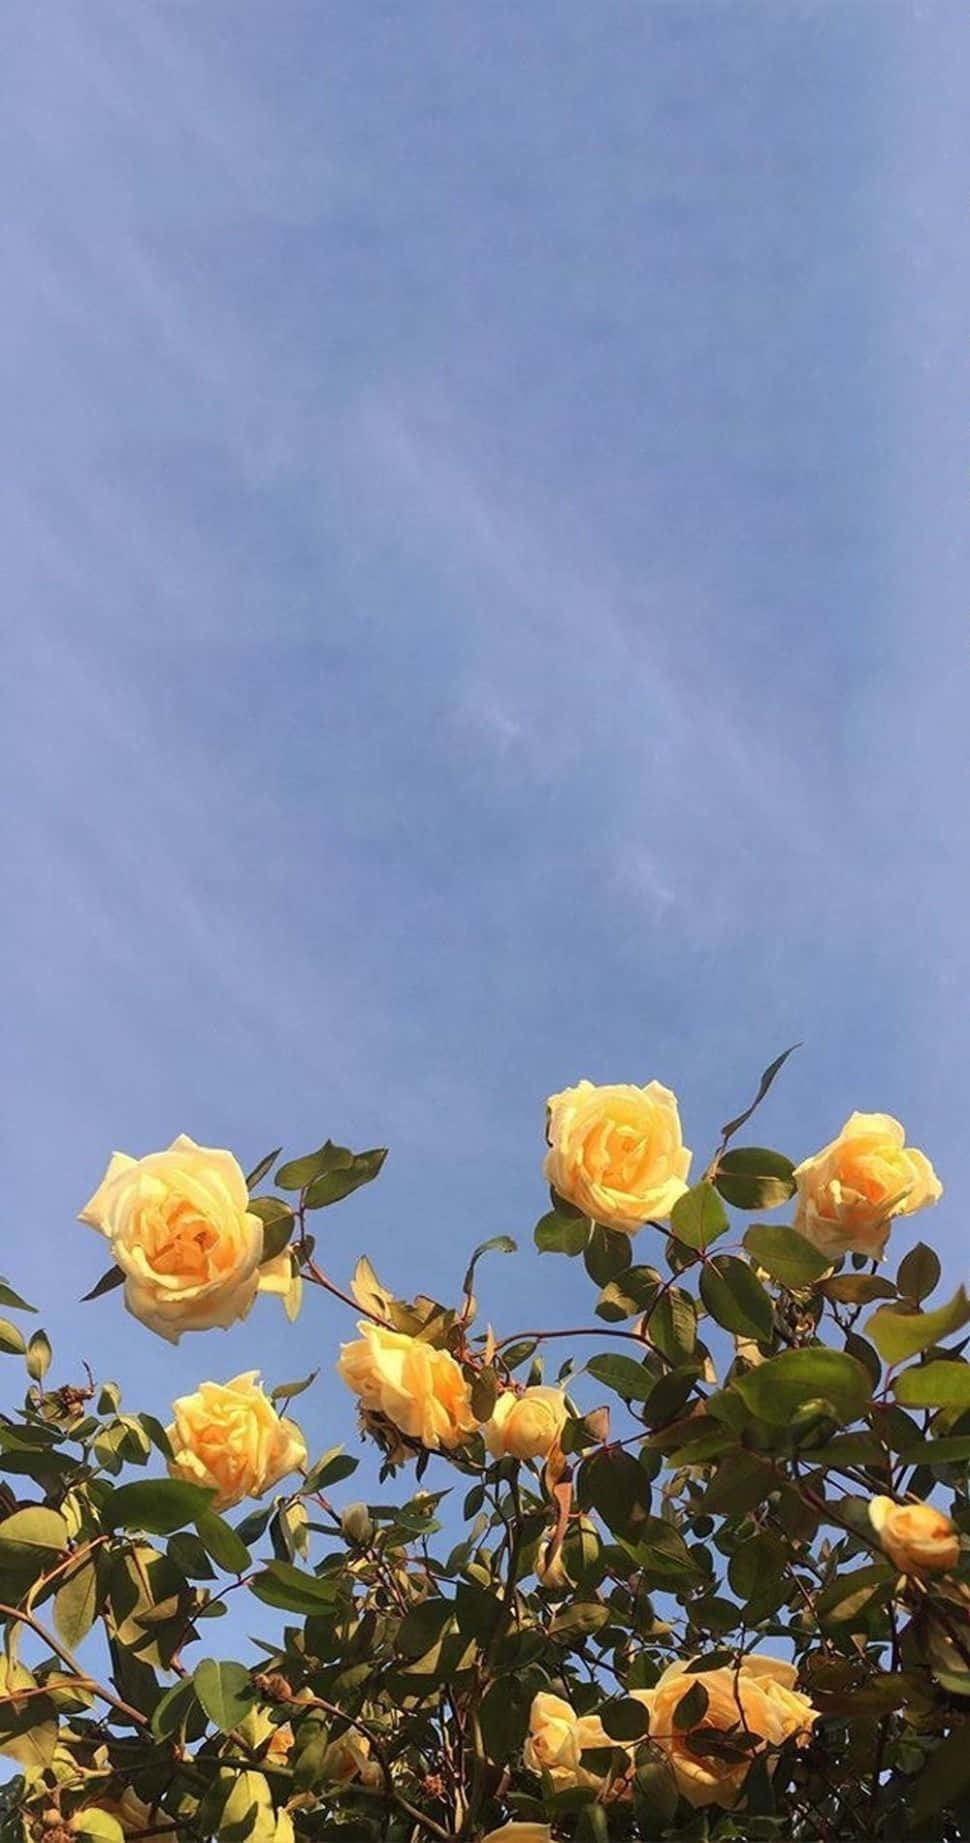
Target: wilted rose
419	1389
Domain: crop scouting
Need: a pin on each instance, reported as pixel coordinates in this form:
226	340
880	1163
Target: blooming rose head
525	1426
850	1191
520	1833
419	1389
229	1436
759	1696
917	1538
558	1737
616	1153
181	1230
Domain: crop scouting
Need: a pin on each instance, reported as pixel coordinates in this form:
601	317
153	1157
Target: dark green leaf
692	1707
785	1254
422	1627
856	1288
752	1177
293	1589
225	1692
777	1388
76	1603
334	1466
557	1234
222	1542
628	1378
174	1710
497	1244
634	1291
298	1172
158	1505
698	1217
672	1325
625	1720
107	1283
768	1076
735	1298
919	1272
259	1171
607	1253
333	1186
945	1780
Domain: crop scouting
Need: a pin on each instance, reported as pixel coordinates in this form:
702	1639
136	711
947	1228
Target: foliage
664	1610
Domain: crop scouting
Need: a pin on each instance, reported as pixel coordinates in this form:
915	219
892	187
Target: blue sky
484	530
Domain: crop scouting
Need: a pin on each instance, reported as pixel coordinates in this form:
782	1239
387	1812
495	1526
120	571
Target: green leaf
38	1356
278	1223
293	1589
952	1449
556	1234
785	1254
768	1076
774	1390
259	1171
898	1335
222	1542
656	1789
33	1531
856	1288
735	1298
299	1172
607	1253
752	1177
330	1469
423	1625
333	1186
12	1341
699	1217
919	1272
945	1780
287	1391
175	1710
157	1505
225	1692
692	1707
76	1604
672	1324
628	1378
101	1826
10	1298
634	1291
496	1244
612	1482
113	1277
625	1720
928	1385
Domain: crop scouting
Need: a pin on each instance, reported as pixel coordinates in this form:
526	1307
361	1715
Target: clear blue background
484	539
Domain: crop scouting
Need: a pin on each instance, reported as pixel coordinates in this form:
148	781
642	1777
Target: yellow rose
850	1191
419	1389
520	1833
917	1538
229	1436
180	1228
760	1695
525	1426
557	1738
616	1152
349	1758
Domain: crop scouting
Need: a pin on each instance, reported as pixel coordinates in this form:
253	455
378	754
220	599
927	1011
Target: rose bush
703	1576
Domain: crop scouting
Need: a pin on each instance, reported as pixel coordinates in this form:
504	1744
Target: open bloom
229	1436
759	1696
918	1538
616	1152
849	1192
419	1389
525	1426
520	1833
558	1737
179	1227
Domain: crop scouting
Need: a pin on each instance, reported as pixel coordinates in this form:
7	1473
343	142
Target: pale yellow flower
525	1426
179	1226
849	1192
558	1737
918	1538
419	1389
759	1696
616	1152
229	1436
